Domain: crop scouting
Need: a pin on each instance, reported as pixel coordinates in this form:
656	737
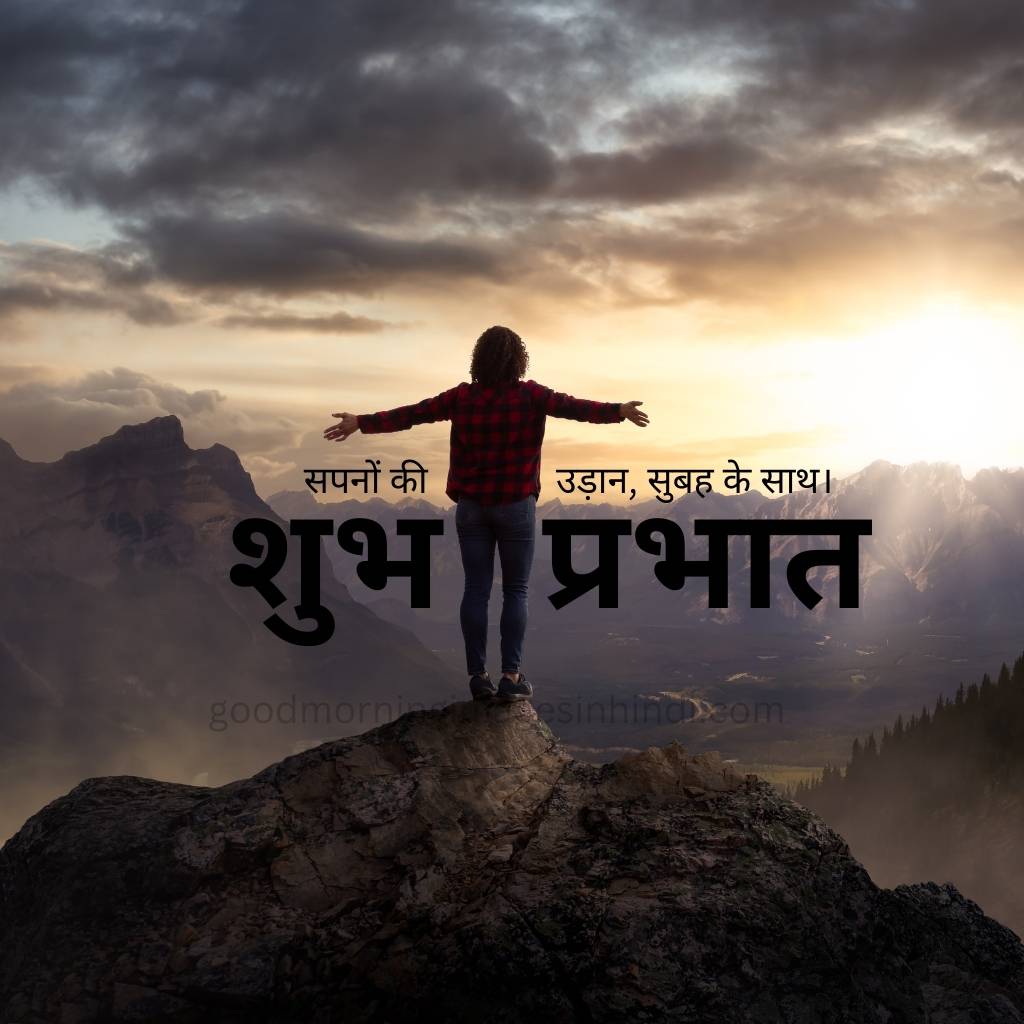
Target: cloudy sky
791	227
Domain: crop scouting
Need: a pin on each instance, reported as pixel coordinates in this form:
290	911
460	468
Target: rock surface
458	865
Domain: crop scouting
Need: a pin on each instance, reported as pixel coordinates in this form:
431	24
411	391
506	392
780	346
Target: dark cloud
143	309
364	146
696	166
373	102
150	275
386	102
828	65
45	277
288	253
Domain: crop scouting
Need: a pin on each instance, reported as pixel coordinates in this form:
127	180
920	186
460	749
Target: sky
791	228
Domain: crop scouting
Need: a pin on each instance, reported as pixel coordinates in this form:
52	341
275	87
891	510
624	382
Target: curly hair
499	357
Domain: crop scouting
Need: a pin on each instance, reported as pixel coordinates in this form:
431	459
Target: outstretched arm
557	403
405	416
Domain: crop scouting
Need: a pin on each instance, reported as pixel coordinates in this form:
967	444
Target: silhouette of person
497	430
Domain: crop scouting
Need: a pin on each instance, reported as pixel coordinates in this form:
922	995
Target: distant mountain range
120	627
945	552
941	598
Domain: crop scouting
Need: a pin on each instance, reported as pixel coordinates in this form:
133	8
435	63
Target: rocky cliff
458	865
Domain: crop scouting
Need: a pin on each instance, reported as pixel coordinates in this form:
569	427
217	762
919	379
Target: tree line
939	796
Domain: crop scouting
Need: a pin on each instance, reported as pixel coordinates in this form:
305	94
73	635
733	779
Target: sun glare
941	385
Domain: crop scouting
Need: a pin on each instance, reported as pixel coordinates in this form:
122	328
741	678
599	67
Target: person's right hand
339	431
633	414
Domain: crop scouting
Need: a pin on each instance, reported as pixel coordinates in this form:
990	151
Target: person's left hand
339	431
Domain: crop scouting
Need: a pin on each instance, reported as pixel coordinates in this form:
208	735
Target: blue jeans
480	527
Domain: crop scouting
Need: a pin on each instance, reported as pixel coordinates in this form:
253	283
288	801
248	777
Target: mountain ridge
941	548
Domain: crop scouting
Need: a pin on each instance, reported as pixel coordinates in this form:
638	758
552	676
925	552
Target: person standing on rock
494	478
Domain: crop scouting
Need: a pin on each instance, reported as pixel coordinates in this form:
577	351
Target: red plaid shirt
496	435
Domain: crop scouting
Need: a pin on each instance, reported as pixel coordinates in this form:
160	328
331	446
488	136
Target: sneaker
518	690
482	687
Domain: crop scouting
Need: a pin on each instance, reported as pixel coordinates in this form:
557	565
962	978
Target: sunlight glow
941	384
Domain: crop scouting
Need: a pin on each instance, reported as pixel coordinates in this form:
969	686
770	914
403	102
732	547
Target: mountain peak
8	454
159	432
453	861
160	436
